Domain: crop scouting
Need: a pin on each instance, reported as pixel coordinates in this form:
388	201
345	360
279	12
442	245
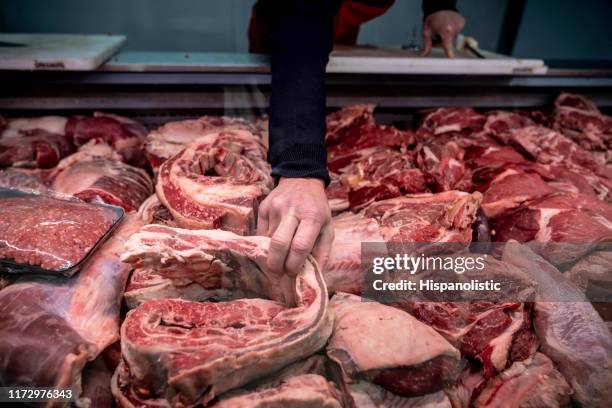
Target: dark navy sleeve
300	38
431	6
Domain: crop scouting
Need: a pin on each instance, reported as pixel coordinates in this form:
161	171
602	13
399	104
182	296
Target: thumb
447	44
427	41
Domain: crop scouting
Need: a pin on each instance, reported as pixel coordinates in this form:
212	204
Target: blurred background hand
443	26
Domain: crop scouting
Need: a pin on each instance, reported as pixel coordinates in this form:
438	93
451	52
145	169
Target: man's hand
297	217
444	25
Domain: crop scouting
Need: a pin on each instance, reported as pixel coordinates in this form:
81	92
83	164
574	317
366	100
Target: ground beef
50	233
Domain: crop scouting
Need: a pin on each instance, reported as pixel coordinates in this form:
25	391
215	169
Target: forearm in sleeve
301	40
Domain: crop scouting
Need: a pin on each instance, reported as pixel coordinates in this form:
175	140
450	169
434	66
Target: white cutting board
73	52
349	60
394	60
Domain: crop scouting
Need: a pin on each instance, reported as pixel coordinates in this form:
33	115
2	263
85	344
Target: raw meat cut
183	280
500	123
549	147
109	181
342	271
171	138
337	193
150	284
381	173
50	233
466	389
562	227
444	167
22	126
492	157
492	333
215	182
124	135
389	347
51	327
369	135
510	188
96	379
432	218
368	161
315	364
569	100
307	390
37	148
91	150
592	276
592	270
452	120
23	179
464	140
569	181
300	384
507	178
426	218
491	327
364	394
440	153
152	211
580	120
341	162
533	382
346	120
570	331
217	346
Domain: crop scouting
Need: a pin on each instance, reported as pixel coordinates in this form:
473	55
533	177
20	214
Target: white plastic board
369	60
73	52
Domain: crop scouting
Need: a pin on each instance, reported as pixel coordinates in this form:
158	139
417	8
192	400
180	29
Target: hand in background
445	25
297	217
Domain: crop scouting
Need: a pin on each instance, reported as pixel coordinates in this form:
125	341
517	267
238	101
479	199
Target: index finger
280	243
302	244
447	44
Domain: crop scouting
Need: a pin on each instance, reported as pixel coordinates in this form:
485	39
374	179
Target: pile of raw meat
209	325
97	158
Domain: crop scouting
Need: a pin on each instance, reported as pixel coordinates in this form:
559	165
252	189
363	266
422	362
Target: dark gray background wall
566	29
558	29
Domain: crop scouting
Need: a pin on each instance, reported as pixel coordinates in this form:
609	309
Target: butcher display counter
489	193
190	84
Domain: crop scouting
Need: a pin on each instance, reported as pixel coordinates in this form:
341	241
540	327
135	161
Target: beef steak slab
410	359
426	218
563	227
215	347
110	181
169	139
215	182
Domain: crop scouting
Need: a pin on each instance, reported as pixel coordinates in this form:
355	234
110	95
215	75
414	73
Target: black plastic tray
10	266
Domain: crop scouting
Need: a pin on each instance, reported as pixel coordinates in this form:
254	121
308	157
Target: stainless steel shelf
202	92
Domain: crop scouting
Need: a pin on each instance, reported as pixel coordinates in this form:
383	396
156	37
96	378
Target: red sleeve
352	14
